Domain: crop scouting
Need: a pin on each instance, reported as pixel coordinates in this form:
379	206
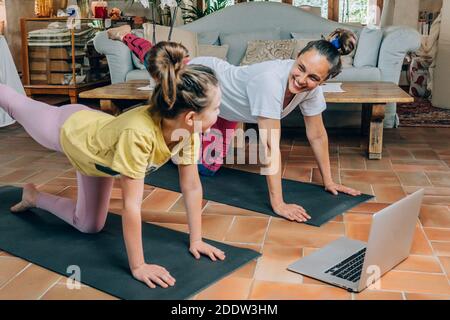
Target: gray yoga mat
45	240
249	191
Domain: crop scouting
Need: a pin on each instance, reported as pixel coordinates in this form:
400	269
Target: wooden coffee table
372	95
111	95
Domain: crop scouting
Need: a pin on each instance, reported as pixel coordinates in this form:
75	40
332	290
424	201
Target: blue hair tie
336	43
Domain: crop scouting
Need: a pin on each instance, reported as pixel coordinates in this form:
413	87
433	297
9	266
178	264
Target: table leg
376	131
73	95
365	119
73	99
28	93
109	106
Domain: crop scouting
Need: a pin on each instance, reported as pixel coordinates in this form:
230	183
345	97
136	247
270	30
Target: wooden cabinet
58	59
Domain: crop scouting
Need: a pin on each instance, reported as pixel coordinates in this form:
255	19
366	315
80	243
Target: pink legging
43	123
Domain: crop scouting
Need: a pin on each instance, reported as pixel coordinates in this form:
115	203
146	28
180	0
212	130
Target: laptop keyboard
349	269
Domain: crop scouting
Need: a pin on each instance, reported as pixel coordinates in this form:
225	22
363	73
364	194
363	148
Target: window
314	3
213	2
354	11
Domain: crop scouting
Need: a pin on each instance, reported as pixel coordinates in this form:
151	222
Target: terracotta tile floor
412	158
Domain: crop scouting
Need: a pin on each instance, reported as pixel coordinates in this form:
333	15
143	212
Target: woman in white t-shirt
264	93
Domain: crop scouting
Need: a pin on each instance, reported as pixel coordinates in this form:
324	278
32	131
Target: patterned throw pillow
265	50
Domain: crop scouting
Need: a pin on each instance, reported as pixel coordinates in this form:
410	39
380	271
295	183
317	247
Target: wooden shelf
45	69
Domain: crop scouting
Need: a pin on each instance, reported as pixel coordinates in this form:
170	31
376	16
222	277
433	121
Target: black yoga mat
45	240
249	191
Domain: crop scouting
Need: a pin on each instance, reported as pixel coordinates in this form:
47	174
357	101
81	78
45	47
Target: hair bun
343	40
166	64
336	42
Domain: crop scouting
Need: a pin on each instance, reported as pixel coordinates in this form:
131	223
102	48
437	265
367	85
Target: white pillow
207	50
200	49
186	38
368	47
302	39
300	44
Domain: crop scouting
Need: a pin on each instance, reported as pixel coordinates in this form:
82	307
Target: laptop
355	265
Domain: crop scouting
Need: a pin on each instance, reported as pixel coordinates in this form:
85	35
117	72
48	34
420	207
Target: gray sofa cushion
359	74
307	35
138	75
211	38
238	42
368	48
137	63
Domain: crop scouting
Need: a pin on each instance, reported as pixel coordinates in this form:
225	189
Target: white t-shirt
249	92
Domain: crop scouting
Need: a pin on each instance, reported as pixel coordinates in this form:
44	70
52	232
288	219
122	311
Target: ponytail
166	65
179	87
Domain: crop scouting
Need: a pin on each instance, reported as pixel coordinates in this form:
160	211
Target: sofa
249	19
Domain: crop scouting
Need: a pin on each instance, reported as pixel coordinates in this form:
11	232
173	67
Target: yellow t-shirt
132	144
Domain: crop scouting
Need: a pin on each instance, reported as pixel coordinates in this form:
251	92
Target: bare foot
29	196
119	32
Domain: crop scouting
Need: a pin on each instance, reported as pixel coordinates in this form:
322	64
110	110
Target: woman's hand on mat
335	188
152	275
292	212
199	247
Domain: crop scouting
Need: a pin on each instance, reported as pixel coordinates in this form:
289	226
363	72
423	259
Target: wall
406	13
441	92
431	5
14	12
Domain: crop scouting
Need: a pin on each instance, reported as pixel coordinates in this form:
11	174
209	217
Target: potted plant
192	13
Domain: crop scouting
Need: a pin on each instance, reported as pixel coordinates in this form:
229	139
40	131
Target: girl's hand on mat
199	247
335	188
152	275
292	212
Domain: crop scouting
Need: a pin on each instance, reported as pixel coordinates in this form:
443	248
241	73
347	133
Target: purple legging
43	123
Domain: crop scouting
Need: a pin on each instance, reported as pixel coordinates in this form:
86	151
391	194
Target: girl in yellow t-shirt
186	100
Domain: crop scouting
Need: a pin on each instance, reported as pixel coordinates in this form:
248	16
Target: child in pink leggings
101	146
215	144
43	122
